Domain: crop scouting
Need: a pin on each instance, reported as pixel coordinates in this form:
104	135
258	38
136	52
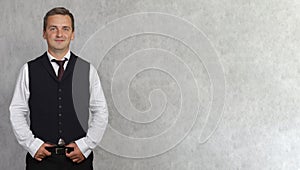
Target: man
58	90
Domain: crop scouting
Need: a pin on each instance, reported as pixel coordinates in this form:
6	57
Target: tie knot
60	62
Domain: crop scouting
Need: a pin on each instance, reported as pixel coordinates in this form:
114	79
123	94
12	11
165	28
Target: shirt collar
67	56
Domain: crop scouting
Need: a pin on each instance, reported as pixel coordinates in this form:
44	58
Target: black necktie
61	67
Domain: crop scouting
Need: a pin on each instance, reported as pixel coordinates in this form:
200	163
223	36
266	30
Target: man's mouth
59	40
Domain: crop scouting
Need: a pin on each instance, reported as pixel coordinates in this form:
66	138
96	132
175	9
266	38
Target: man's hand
76	155
42	152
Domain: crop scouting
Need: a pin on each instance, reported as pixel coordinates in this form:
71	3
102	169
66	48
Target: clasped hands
76	155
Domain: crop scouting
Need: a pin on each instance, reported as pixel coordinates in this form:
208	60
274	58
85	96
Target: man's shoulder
80	59
37	59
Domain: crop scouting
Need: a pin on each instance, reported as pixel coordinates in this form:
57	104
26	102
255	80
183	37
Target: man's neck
58	54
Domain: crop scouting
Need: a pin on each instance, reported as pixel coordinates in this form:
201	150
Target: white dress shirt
19	111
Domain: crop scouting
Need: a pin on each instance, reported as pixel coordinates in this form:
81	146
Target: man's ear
73	35
44	34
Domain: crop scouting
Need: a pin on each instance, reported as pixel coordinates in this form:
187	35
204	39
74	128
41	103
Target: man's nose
59	33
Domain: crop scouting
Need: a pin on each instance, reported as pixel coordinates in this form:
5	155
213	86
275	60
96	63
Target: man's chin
58	49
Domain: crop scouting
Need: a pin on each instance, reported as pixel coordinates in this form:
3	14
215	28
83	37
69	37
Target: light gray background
258	45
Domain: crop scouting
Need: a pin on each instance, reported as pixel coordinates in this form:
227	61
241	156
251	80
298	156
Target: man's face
58	33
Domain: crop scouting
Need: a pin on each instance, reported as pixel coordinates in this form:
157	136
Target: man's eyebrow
54	26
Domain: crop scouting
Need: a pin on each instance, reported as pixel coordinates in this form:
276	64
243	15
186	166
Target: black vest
51	102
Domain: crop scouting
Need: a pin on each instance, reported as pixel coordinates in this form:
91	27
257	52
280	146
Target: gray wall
177	87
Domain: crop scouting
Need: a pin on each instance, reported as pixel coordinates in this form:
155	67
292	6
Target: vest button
59	98
59	114
59	123
60	106
59	89
60	131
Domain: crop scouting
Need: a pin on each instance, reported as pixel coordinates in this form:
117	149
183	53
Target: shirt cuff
34	146
83	147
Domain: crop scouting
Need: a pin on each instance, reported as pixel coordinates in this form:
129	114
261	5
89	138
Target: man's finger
71	154
75	160
46	152
74	157
39	159
72	145
80	160
48	145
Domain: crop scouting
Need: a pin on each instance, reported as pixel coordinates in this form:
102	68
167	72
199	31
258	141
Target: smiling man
56	137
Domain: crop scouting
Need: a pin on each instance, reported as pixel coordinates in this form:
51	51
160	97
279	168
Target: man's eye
67	29
52	28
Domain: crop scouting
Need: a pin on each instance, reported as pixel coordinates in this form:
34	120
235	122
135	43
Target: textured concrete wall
195	85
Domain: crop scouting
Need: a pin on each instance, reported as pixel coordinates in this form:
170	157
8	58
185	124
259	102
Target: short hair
58	11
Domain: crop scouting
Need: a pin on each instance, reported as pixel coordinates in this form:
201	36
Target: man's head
58	11
58	31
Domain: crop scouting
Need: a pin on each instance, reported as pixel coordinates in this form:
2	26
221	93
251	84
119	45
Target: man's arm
99	116
18	114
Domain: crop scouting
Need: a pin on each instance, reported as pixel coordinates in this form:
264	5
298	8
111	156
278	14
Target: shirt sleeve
99	116
19	111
